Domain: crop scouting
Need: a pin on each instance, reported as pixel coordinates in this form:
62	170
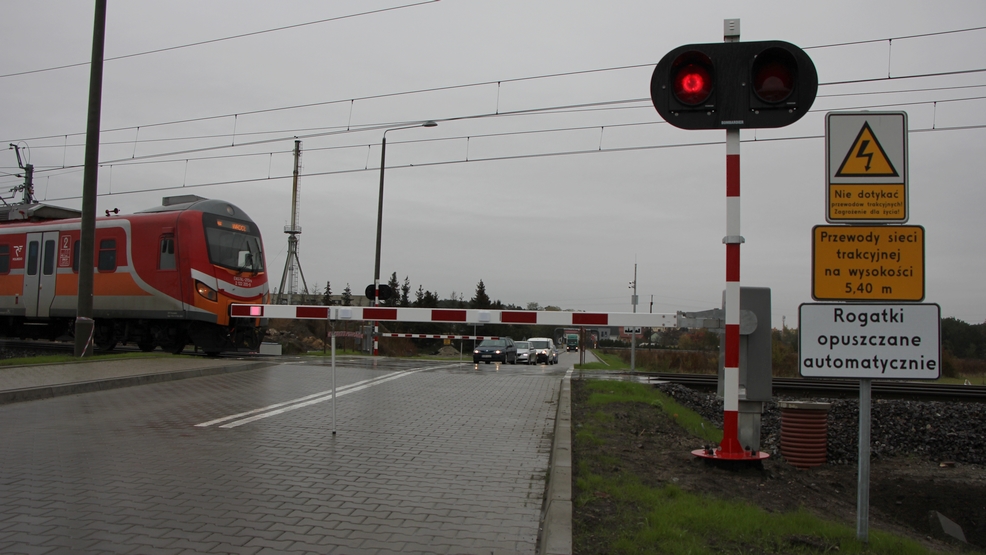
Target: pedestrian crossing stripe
866	158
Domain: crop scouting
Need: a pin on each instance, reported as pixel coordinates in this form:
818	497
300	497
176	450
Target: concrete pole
84	324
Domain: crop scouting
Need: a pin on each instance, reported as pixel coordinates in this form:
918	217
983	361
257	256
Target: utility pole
84	324
633	336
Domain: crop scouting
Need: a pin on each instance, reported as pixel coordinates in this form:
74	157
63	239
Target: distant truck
572	341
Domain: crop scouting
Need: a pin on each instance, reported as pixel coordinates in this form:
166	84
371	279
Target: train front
227	267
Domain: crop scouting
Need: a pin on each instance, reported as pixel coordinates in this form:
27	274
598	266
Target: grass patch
667	520
629	516
605	392
609	362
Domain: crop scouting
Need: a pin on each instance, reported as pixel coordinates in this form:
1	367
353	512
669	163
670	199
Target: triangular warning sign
866	158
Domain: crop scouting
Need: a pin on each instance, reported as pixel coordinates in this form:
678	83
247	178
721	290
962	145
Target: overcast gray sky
550	173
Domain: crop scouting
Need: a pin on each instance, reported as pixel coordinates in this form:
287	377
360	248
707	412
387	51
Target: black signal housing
734	85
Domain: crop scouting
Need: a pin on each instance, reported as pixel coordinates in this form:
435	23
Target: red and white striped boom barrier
453	316
439	336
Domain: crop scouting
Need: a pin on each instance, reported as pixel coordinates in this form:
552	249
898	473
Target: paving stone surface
430	458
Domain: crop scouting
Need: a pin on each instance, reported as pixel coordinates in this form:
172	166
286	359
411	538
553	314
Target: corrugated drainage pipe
804	432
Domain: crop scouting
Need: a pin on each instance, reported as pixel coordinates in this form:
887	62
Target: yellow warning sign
867	263
866	167
862	202
866	158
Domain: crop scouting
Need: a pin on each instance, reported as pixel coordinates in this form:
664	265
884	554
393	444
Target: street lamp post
376	263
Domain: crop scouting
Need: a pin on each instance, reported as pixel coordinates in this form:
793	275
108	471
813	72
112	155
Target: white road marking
280	408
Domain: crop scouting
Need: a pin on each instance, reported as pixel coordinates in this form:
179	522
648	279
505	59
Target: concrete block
945	528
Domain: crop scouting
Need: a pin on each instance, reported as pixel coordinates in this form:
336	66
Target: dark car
495	350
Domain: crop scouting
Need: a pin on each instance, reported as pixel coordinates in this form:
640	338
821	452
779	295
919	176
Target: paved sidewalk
43	381
441	461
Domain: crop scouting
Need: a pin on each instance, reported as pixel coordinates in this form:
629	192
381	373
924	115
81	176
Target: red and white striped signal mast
733	85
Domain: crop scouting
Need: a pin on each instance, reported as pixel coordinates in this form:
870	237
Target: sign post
867	342
866	182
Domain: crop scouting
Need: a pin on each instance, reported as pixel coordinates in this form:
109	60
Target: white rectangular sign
877	341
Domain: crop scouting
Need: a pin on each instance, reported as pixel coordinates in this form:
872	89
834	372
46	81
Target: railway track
842	388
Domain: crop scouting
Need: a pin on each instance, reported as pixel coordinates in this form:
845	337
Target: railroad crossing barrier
439	336
453	316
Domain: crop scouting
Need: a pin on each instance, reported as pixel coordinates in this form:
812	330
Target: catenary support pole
84	324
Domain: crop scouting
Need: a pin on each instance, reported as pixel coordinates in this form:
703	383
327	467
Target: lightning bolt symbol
861	153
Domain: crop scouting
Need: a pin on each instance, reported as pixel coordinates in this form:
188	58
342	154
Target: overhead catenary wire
499	82
219	39
644	103
578	152
636	103
156	158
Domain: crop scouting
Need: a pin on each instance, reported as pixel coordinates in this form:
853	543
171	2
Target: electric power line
500	159
220	39
531	78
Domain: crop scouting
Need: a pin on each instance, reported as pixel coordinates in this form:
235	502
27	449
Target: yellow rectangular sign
867	263
885	202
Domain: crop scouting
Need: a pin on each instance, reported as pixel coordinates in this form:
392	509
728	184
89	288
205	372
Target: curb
556	537
50	391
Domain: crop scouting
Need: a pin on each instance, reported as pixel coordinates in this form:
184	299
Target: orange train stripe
12	285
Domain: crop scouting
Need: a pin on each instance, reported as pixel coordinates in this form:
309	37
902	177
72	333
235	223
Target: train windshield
233	244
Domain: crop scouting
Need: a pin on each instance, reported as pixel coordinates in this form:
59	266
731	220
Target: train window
233	245
32	258
107	255
4	259
49	258
75	257
167	259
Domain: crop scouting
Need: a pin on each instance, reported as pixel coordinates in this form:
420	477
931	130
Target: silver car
525	354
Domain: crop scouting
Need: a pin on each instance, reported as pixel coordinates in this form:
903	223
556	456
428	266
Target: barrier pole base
722	455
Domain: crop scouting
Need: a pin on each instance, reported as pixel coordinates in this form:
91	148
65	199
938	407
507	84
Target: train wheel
103	337
106	345
145	346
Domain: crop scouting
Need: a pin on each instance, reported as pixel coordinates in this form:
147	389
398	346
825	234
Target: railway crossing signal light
385	292
734	85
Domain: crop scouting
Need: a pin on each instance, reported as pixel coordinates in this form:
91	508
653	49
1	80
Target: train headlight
206	291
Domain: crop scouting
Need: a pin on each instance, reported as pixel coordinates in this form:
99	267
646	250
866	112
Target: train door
39	273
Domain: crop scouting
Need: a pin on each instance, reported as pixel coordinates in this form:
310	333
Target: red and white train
163	277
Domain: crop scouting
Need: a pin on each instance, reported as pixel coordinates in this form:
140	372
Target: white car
544	350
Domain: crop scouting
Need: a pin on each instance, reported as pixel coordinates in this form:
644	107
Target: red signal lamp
692	80
692	84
